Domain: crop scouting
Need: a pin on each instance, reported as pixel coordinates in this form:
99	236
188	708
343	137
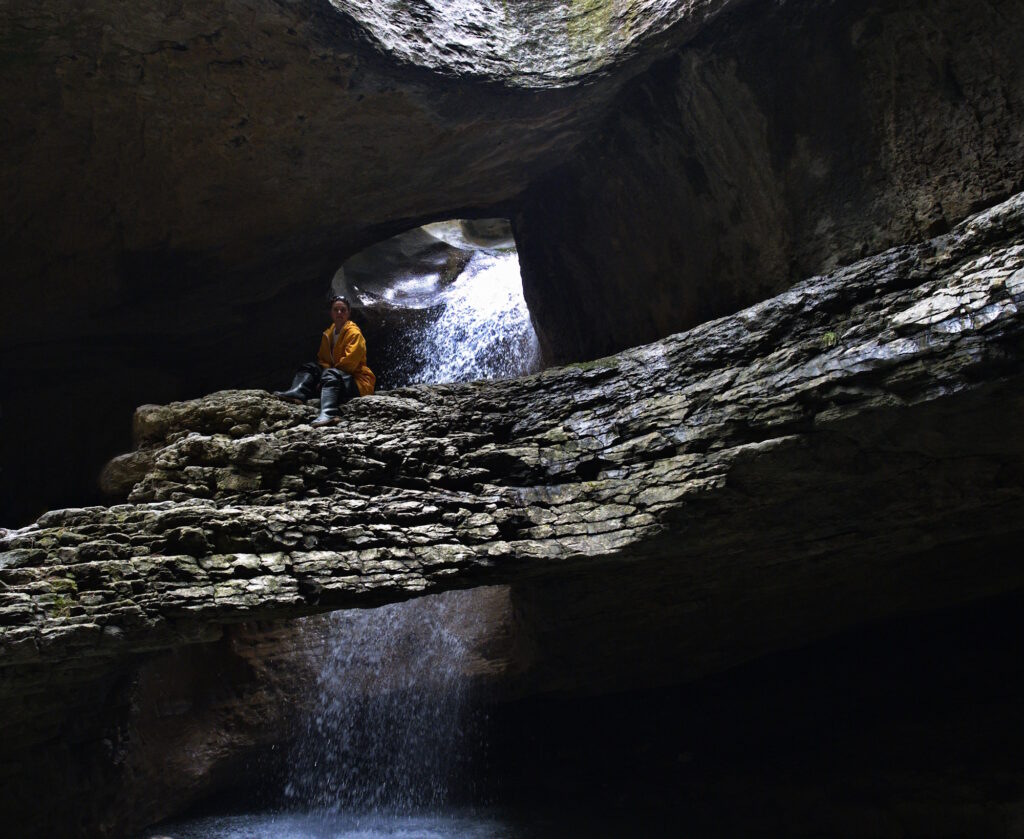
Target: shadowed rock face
833	438
787	139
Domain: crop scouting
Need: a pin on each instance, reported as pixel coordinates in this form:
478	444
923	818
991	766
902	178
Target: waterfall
484	329
386	730
384	747
439	305
386	735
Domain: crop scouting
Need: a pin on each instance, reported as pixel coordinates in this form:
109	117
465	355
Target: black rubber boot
330	399
336	386
303	386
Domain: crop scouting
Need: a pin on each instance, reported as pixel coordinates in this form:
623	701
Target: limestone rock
788	139
531	44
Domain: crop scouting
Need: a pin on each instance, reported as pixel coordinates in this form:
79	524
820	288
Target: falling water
386	731
442	307
386	735
484	330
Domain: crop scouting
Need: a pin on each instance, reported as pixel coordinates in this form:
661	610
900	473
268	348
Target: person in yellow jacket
339	371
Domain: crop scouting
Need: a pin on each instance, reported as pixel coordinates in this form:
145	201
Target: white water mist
387	727
484	330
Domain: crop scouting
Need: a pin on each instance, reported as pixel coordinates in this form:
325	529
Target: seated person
340	370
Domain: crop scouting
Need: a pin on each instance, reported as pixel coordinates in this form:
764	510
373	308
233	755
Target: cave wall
203	718
787	139
154	734
617	630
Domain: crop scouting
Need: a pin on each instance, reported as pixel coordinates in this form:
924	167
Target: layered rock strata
759	481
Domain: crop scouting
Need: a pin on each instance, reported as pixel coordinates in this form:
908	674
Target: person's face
339	313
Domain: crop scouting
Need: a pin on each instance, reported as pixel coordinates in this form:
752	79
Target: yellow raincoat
349	355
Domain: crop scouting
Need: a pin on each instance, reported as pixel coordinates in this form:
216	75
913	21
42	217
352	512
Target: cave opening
442	303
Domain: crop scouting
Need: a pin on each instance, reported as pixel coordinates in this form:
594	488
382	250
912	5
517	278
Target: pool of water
465	824
337	826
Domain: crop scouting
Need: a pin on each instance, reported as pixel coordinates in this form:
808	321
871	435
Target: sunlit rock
530	44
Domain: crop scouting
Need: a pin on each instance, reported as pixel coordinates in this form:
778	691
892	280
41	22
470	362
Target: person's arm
351	351
324	355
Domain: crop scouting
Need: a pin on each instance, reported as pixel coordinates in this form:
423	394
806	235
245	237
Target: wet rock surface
529	44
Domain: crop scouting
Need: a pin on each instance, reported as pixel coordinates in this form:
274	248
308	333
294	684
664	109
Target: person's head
341	309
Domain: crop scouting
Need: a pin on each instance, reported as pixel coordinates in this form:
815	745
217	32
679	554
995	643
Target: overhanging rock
858	417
